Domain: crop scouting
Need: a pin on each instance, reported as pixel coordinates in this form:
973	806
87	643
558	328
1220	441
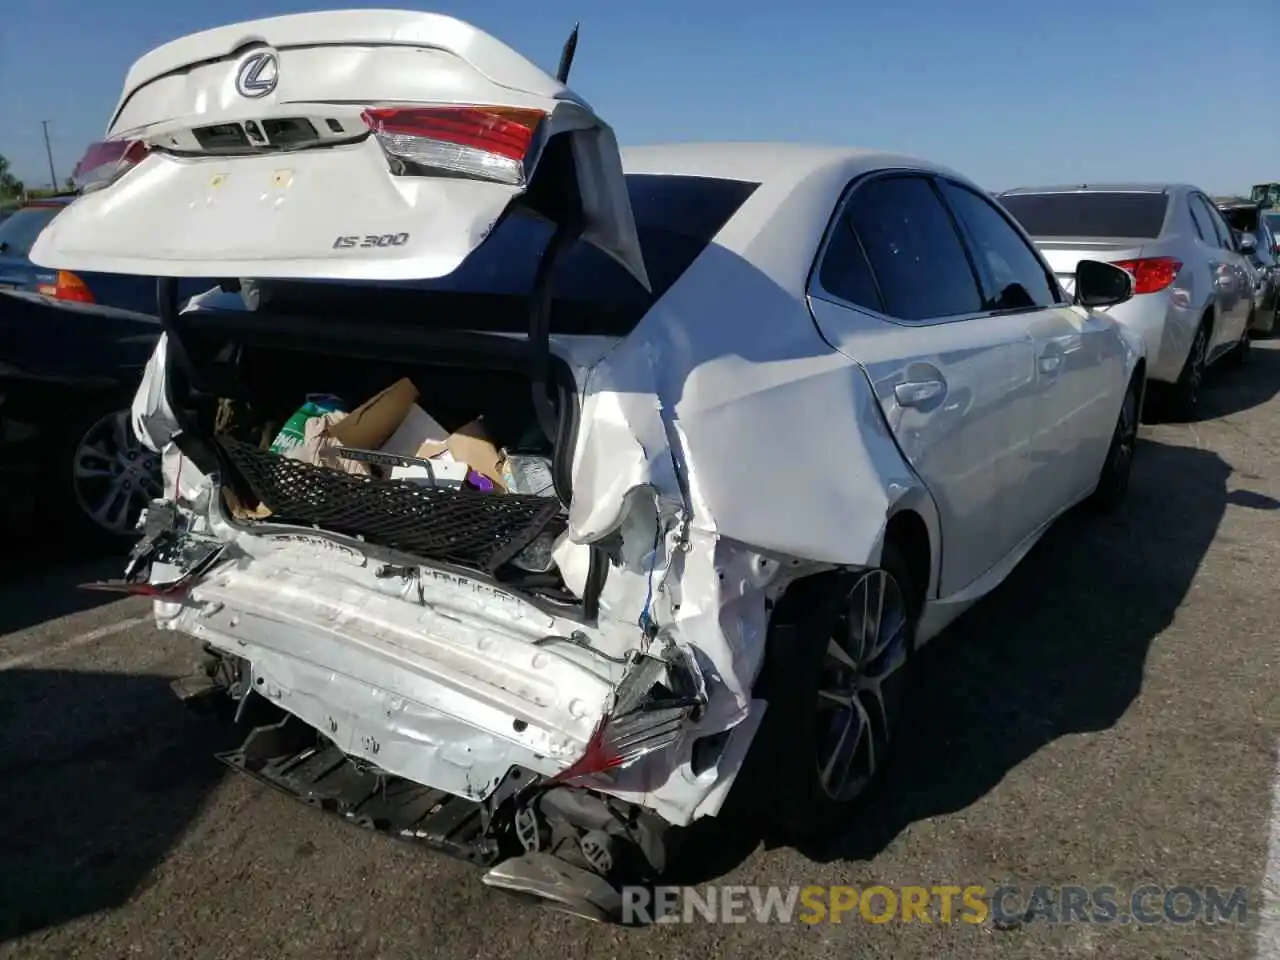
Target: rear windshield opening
677	217
18	232
1139	215
1243	219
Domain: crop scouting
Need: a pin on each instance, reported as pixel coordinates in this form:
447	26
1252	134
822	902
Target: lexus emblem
258	75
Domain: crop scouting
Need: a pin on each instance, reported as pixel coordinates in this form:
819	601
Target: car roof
780	227
1102	188
777	163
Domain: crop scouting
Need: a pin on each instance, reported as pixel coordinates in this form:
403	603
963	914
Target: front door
1078	358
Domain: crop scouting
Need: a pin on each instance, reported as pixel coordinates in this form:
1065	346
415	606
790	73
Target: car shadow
103	776
1227	390
36	587
1059	648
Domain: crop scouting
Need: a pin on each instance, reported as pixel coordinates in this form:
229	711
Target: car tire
799	779
1113	481
1184	396
98	466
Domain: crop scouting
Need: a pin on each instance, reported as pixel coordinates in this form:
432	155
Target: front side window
1220	232
1018	280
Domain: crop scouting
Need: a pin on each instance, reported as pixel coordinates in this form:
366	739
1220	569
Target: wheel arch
912	527
1209	318
908	532
1139	377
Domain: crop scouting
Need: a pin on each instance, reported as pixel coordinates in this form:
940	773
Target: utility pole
53	177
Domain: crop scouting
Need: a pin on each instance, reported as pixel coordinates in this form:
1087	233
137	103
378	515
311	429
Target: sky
1009	93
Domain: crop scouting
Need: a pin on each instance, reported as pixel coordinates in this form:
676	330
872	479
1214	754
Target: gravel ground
1109	716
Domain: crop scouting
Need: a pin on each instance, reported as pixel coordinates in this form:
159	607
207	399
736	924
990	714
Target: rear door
896	291
365	144
1079	360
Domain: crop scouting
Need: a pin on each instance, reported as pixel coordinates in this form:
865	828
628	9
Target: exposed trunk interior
236	377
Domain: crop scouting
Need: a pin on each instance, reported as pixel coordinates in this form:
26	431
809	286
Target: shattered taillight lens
106	162
651	707
487	143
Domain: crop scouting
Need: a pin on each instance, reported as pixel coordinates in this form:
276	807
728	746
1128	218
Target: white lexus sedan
793	409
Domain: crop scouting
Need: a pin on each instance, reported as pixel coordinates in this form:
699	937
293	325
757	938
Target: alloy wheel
113	475
1126	439
860	684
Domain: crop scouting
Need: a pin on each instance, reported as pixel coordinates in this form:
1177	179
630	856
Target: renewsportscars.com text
939	904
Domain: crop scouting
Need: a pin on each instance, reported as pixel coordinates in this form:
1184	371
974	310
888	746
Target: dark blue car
72	349
18	233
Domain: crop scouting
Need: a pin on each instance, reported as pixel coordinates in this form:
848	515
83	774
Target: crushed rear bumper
289	757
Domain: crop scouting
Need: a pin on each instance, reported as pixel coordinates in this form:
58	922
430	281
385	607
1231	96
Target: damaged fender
714	432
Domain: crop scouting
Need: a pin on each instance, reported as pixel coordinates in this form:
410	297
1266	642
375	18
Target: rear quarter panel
778	440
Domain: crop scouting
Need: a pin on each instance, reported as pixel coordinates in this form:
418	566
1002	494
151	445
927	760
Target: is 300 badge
384	240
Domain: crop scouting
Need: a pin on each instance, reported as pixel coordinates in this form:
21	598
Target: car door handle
916	393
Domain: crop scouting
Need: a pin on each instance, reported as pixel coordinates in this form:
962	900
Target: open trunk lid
356	145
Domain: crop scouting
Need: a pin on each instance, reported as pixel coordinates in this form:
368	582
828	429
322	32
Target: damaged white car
601	483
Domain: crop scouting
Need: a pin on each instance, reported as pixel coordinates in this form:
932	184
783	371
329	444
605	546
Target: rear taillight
106	162
488	143
66	286
1151	274
620	741
651	710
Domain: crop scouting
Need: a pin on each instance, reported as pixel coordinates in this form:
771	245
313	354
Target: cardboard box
470	444
375	421
418	430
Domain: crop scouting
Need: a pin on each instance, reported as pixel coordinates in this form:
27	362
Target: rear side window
913	249
1138	215
845	271
18	232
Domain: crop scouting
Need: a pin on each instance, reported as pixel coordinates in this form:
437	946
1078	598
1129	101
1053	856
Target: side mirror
1247	243
1101	284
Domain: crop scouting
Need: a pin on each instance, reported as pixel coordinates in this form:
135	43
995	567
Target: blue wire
645	620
